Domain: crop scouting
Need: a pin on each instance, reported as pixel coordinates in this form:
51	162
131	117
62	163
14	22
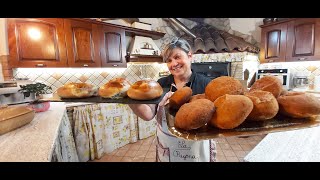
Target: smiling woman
178	56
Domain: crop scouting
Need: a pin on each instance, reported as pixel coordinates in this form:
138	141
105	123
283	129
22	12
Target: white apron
173	149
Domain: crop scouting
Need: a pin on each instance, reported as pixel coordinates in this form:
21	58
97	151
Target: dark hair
177	43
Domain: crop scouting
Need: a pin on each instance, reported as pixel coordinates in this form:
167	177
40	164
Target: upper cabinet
37	42
83	43
291	40
303	42
69	42
113	48
273	43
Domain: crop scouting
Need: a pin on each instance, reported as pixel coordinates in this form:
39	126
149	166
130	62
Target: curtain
147	128
102	128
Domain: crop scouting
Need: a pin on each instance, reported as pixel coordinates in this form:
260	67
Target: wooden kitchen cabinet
69	42
295	39
113	49
273	43
36	42
83	43
303	40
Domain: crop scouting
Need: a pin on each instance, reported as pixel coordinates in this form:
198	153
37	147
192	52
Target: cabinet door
113	49
83	44
36	42
303	40
273	43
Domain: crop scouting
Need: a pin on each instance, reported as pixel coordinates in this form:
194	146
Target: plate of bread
117	90
228	109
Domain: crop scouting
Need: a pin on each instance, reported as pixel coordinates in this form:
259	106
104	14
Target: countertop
290	146
34	141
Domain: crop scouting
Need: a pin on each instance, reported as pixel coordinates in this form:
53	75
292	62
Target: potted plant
39	89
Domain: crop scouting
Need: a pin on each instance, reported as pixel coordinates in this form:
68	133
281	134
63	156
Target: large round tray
247	128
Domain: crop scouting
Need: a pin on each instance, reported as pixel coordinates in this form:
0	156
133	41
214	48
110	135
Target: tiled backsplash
57	77
307	66
312	68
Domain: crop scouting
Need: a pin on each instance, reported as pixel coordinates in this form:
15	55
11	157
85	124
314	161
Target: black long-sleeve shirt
197	83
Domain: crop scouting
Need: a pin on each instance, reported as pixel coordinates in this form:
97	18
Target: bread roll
76	90
299	105
197	96
115	88
145	90
265	105
223	85
268	83
180	97
231	111
194	115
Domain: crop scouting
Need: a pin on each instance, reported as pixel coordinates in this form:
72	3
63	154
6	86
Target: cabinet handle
301	59
85	65
40	65
115	65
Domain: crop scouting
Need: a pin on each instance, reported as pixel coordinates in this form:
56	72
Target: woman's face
179	62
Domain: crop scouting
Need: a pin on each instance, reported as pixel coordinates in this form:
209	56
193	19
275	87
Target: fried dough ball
194	115
265	105
299	105
268	83
223	85
197	96
231	111
180	97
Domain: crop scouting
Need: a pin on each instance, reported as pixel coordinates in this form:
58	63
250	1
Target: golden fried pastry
231	111
180	97
299	105
265	105
194	115
197	96
223	85
268	83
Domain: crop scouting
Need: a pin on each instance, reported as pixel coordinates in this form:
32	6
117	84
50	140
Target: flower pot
40	106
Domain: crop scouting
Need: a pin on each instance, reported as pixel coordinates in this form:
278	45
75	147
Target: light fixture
34	33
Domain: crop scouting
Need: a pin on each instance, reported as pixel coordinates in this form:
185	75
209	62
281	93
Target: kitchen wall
57	77
312	68
248	26
3	45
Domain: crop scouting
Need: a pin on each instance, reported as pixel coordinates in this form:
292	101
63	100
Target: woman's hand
165	99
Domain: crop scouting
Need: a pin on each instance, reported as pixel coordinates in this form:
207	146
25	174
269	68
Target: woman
178	57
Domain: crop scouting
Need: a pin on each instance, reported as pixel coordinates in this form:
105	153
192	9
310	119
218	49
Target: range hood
143	46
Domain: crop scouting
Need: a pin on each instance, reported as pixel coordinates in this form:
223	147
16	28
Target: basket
12	118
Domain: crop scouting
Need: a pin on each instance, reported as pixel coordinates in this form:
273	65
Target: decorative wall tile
57	77
83	78
310	68
294	67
